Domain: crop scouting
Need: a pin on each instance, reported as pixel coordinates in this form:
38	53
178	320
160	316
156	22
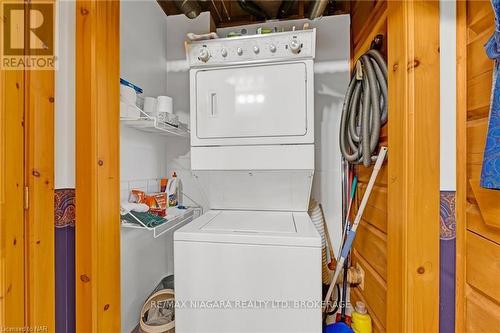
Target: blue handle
131	85
348	243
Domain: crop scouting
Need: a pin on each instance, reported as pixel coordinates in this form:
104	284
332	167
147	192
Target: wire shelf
175	219
150	124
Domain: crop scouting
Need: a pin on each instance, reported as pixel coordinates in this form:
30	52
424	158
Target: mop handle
346	222
369	187
351	234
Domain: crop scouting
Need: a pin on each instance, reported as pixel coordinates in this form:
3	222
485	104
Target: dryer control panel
281	46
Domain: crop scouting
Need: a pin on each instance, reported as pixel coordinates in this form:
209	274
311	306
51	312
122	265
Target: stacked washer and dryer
252	263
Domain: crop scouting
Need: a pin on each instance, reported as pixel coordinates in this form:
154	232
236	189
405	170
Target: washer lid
252	227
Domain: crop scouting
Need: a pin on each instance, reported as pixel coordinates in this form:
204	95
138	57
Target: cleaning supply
173	190
338	327
163	184
127	207
346	248
361	320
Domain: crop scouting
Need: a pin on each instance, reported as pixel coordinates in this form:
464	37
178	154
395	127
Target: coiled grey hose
365	109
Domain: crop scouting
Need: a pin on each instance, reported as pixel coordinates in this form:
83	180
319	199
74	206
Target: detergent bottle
361	321
173	190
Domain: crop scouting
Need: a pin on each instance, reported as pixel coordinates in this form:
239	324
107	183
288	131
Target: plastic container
128	94
338	327
173	190
361	320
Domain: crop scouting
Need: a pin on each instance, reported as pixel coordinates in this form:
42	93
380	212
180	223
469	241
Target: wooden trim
12	256
39	230
413	171
461	194
27	281
97	167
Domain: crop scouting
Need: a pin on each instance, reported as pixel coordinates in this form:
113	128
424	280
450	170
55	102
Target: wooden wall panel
481	314
478	221
27	286
97	171
413	189
371	244
483	271
369	18
40	215
374	289
12	251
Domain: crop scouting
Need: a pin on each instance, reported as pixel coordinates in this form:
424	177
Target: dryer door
243	103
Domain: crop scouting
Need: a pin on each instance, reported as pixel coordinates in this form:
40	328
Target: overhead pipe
285	7
317	8
253	9
190	8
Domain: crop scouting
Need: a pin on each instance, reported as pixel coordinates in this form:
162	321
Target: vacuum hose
365	109
317	219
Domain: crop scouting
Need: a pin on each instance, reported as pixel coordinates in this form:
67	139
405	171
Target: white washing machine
252	263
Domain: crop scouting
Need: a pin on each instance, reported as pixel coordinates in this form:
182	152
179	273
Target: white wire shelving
146	123
175	219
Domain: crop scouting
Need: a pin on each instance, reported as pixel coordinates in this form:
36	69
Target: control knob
295	45
223	52
272	48
204	54
256	49
239	51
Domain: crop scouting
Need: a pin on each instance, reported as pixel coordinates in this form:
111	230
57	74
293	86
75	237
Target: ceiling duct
317	8
253	9
190	8
285	7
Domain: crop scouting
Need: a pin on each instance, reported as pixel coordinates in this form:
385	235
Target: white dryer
252	263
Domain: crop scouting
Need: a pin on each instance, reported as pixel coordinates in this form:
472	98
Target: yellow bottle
361	321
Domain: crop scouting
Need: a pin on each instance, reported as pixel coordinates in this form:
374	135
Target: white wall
177	68
148	40
179	159
447	67
143	47
65	97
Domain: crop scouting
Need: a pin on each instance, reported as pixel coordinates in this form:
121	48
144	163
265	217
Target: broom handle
369	187
347	246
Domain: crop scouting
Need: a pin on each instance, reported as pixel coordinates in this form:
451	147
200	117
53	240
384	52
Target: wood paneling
413	189
481	313
461	193
369	18
97	171
478	221
483	271
40	181
371	244
378	196
476	98
475	223
475	50
12	251
374	289
27	286
376	217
